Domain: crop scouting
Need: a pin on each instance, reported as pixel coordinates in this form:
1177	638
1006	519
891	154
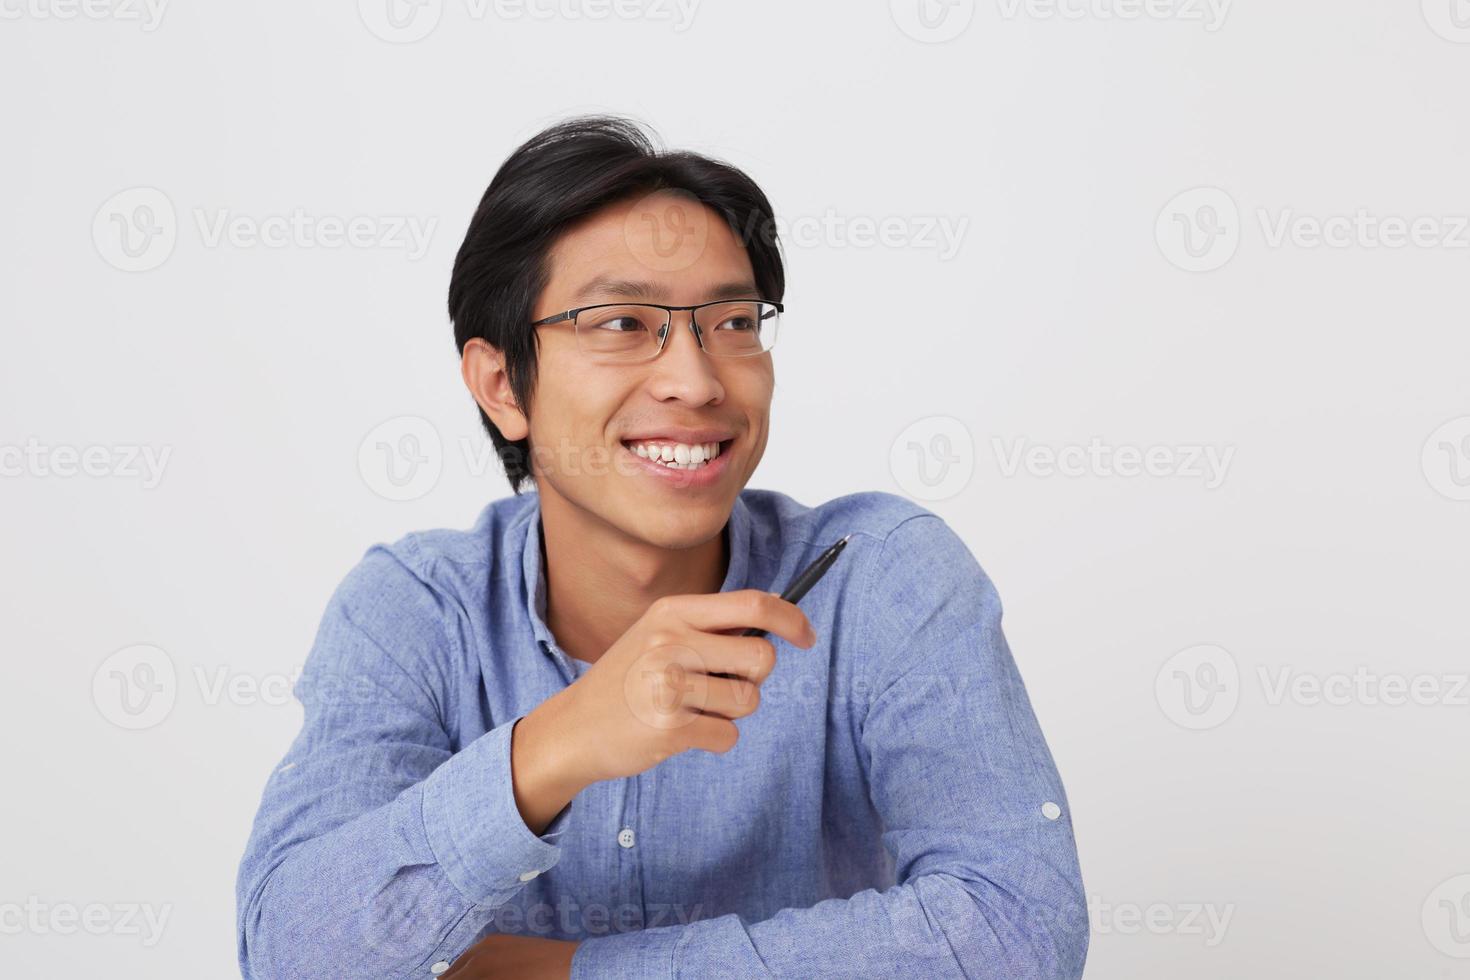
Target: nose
682	371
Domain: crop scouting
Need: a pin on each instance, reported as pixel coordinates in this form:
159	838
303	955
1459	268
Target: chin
688	529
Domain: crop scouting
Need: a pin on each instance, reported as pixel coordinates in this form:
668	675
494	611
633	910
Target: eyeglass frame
668	322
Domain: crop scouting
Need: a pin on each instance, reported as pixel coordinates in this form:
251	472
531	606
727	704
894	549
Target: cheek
573	407
753	389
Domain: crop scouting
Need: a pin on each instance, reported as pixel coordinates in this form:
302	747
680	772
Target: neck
599	581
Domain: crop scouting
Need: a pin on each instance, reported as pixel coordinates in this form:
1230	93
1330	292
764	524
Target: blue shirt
891	806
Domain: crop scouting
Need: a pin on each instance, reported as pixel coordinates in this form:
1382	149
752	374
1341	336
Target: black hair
559	176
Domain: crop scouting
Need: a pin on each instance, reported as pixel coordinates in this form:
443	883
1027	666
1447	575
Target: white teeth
677	455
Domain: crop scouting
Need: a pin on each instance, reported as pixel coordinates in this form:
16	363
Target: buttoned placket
619	836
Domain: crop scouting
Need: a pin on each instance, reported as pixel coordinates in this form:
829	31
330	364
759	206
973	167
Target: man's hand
673	682
507	957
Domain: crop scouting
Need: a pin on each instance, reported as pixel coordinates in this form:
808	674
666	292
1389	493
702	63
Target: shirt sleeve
377	849
973	810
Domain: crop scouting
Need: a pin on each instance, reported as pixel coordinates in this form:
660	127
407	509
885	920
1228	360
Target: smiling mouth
678	455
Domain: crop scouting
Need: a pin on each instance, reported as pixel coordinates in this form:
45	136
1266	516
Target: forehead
667	239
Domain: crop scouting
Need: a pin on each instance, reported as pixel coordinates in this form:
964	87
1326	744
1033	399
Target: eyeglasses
625	333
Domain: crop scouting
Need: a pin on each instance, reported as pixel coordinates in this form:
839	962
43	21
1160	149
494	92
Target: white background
1328	837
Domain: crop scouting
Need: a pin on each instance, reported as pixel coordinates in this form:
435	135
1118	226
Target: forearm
936	924
355	902
398	887
544	765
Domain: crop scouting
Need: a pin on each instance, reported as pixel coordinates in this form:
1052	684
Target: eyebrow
604	287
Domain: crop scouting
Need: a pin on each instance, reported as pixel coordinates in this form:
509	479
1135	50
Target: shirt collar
534	574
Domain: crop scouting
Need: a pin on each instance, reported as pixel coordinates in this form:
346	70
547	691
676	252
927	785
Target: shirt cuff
646	954
474	828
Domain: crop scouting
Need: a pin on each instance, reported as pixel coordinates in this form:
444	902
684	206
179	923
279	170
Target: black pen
807	579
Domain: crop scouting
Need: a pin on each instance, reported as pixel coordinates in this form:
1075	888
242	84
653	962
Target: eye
619	324
739	322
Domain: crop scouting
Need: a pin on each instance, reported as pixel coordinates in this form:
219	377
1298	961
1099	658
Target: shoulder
878	522
903	560
400	616
440	570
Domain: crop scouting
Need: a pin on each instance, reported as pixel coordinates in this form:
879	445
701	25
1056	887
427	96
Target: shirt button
625	837
1050	810
529	875
438	968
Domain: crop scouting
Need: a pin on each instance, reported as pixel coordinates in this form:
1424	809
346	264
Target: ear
483	370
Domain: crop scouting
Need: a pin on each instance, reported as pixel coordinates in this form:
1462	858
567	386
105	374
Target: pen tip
845	539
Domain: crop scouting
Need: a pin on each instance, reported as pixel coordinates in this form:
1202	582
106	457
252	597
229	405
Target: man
542	747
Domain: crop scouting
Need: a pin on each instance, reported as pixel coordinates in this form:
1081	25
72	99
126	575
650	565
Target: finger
749	657
729	697
745	609
711	734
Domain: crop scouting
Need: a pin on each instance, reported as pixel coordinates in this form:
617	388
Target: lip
686	436
706	476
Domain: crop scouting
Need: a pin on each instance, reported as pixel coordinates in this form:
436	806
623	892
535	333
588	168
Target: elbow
994	929
1048	928
267	948
253	938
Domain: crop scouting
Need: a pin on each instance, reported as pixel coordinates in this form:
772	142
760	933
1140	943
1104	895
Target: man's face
587	418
